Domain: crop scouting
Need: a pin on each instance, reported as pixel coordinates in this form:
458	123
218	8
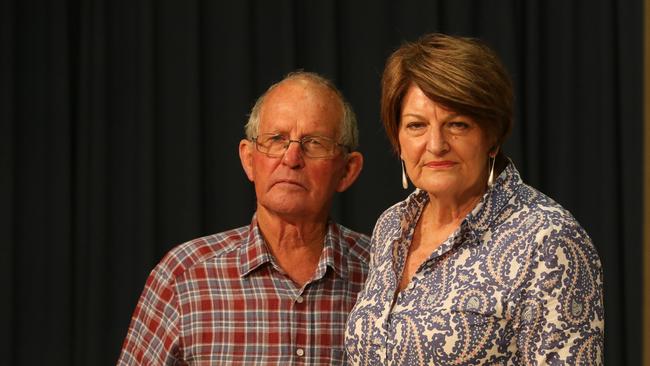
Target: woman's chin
439	188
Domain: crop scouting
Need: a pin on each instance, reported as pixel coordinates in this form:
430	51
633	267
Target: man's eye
312	141
275	138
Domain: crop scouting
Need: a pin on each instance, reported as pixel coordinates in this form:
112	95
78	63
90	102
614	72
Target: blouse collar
481	216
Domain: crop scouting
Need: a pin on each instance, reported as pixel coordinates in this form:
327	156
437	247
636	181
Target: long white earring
405	183
491	162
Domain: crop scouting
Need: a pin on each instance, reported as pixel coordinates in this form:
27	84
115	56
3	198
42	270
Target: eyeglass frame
300	142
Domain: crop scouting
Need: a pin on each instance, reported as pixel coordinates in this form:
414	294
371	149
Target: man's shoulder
357	244
191	253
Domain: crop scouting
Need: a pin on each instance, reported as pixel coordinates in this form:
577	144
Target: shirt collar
255	253
333	251
495	199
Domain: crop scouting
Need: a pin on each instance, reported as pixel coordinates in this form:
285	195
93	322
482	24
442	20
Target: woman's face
446	154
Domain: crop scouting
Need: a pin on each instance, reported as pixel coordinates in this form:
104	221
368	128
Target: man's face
293	185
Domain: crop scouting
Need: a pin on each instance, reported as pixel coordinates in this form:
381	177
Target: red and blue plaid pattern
222	299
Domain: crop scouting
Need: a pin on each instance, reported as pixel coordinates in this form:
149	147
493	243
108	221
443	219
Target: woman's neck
445	210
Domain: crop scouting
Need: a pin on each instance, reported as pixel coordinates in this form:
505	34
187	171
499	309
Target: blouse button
411	285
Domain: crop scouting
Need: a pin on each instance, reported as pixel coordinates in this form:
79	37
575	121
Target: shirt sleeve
560	315
153	335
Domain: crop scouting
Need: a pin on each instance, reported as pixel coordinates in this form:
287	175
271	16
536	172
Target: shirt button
411	285
300	352
299	300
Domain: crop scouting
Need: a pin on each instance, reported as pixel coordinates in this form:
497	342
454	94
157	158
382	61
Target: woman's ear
353	166
494	151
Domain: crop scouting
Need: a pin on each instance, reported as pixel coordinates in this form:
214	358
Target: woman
474	267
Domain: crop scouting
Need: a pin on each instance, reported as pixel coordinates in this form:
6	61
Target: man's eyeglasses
274	145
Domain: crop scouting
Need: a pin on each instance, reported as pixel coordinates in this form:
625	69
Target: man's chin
289	206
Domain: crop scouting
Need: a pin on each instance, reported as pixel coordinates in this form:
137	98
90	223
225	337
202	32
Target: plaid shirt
222	299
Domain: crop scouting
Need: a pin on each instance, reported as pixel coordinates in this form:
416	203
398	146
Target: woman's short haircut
348	130
460	74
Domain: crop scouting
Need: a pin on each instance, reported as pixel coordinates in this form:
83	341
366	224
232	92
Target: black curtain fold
120	123
7	189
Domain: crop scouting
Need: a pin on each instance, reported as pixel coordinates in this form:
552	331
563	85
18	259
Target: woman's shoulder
543	234
523	203
533	213
530	201
401	213
388	222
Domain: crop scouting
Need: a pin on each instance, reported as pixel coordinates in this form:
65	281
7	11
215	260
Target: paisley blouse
519	282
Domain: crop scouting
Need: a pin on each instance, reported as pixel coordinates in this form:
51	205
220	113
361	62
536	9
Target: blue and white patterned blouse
519	282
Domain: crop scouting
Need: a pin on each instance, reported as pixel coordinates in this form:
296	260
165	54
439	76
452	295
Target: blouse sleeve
559	316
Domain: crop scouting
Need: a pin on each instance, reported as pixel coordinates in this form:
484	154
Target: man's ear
353	166
246	158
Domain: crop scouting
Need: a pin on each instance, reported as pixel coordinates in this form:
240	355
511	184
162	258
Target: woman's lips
440	164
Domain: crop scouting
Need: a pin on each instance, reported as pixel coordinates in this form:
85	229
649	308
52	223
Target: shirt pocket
477	310
472	317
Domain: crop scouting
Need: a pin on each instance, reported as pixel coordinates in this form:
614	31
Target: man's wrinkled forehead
299	98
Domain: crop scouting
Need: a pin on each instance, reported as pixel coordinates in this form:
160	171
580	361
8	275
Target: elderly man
278	291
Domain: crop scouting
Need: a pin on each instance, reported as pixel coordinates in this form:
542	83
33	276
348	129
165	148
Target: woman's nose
437	143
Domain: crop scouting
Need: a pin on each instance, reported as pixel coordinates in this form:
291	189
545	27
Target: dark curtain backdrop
120	119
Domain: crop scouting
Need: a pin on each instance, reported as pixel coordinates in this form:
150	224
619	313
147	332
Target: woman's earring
491	162
405	183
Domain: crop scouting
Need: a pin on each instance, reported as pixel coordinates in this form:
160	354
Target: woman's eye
458	125
415	125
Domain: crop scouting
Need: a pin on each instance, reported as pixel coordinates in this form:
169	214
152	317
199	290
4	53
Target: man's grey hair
348	130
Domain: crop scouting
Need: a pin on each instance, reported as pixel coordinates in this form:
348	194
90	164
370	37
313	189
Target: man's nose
293	155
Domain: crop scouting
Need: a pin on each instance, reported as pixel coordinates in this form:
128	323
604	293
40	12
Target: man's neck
296	244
